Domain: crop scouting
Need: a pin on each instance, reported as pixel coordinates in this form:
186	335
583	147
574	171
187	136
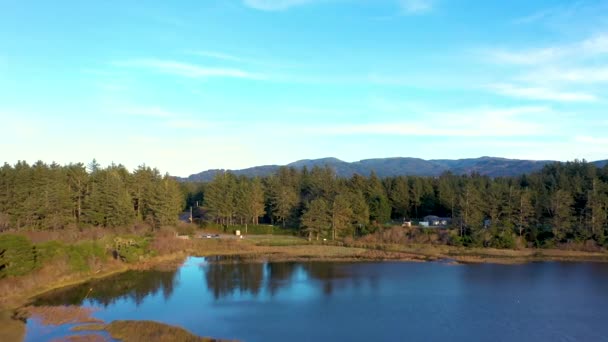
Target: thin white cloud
567	16
112	86
550	72
526	57
190	124
561	13
416	6
538	93
151	111
406	6
592	140
591	47
484	122
274	5
17	125
218	55
189	70
587	75
595	45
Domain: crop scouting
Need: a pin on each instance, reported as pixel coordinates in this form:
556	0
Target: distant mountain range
387	167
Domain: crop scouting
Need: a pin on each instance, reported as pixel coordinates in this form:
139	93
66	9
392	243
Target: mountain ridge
398	166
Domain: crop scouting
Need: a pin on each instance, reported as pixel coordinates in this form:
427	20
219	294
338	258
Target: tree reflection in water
280	275
226	276
133	285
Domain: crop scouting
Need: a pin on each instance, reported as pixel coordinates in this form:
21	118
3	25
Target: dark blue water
320	301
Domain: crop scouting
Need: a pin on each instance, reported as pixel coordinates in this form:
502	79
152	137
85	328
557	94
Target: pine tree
77	179
525	210
341	215
561	213
220	198
377	200
470	209
360	210
316	219
448	195
283	203
597	210
400	197
257	200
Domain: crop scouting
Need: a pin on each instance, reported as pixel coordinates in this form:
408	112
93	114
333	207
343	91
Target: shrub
79	256
454	239
132	251
50	250
504	240
82	254
18	256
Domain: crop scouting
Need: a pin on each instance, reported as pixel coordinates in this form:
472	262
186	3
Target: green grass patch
262	230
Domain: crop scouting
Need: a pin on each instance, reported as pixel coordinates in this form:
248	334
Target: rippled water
322	301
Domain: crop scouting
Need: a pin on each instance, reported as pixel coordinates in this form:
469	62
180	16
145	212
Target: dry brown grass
170	253
11	329
146	331
58	315
82	338
142	331
89	327
74	234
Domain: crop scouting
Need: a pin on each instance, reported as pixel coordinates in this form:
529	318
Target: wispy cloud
274	5
582	75
145	111
525	57
567	16
587	48
539	93
560	12
592	140
551	72
194	124
218	55
481	122
406	6
416	6
189	70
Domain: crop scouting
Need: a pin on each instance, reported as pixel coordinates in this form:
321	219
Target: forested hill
391	167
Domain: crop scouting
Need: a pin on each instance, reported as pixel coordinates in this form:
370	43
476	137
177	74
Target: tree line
43	196
564	202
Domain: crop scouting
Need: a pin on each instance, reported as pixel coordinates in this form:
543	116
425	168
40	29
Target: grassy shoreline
282	249
288	249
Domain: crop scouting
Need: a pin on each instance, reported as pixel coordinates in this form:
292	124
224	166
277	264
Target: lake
376	301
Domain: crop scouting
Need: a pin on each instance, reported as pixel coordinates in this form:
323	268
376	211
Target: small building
436	221
423	223
406	224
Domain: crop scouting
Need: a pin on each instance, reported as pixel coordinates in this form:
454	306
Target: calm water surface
321	301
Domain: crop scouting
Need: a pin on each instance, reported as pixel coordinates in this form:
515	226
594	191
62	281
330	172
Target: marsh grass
146	331
59	315
65	264
82	338
88	327
11	328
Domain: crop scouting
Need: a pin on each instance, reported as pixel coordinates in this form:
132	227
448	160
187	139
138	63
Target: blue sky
191	85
